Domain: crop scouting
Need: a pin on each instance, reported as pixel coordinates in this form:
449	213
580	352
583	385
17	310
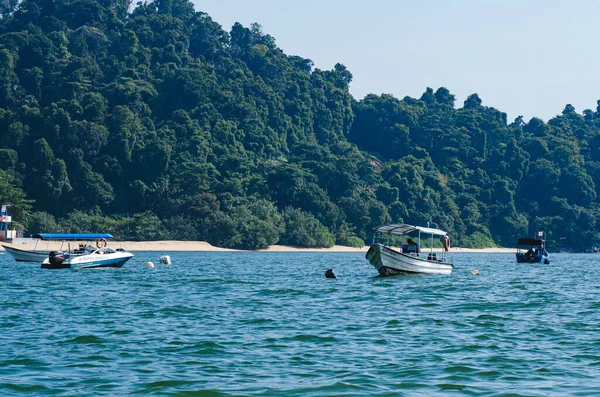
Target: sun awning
72	236
402	228
529	241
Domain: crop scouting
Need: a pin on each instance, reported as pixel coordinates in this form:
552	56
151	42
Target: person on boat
80	249
529	254
410	241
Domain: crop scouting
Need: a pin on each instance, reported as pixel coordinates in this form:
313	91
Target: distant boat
409	259
537	250
84	255
26	255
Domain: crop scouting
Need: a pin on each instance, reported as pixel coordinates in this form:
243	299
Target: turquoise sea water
271	324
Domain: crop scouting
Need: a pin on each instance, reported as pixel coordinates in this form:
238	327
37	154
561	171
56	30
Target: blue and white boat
81	253
537	250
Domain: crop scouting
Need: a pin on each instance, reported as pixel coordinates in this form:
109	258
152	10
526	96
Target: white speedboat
409	258
93	258
84	255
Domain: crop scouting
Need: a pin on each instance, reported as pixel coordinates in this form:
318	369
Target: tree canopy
154	122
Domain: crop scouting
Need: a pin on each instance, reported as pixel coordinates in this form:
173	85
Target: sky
523	57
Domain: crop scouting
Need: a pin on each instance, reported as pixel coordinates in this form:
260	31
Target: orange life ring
446	243
101	243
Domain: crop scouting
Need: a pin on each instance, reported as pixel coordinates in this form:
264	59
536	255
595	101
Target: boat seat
409	249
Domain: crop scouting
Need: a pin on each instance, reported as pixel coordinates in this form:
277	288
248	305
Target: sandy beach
161	246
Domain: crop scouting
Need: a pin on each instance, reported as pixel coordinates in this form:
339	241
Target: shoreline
202	246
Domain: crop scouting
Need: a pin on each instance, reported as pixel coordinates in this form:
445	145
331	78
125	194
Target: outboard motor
56	258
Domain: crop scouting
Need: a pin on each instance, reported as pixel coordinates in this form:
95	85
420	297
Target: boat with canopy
537	250
81	251
38	255
409	258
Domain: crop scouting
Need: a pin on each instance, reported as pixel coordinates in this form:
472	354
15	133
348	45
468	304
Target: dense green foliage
158	124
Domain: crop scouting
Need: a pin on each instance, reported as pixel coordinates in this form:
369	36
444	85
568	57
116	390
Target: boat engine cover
56	258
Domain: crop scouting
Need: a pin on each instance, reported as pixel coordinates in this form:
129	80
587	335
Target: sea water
271	324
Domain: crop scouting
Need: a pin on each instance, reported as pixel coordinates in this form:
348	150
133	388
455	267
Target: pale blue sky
528	57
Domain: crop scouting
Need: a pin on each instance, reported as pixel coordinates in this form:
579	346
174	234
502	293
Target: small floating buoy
150	265
474	272
330	274
165	260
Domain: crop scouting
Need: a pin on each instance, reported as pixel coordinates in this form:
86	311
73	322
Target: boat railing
403	243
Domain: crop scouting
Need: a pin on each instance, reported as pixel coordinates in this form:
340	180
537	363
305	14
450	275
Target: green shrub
304	230
41	222
477	240
355	242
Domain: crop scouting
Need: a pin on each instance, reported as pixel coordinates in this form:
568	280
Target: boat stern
56	260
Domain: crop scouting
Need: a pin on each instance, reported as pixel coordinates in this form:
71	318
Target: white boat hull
116	259
95	260
26	256
388	261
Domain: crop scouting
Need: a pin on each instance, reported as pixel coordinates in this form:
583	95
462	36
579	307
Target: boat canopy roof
530	241
72	237
402	228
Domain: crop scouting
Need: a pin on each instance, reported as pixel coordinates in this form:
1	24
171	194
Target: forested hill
158	124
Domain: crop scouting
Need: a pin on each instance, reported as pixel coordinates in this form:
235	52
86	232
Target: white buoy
165	260
475	272
150	265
